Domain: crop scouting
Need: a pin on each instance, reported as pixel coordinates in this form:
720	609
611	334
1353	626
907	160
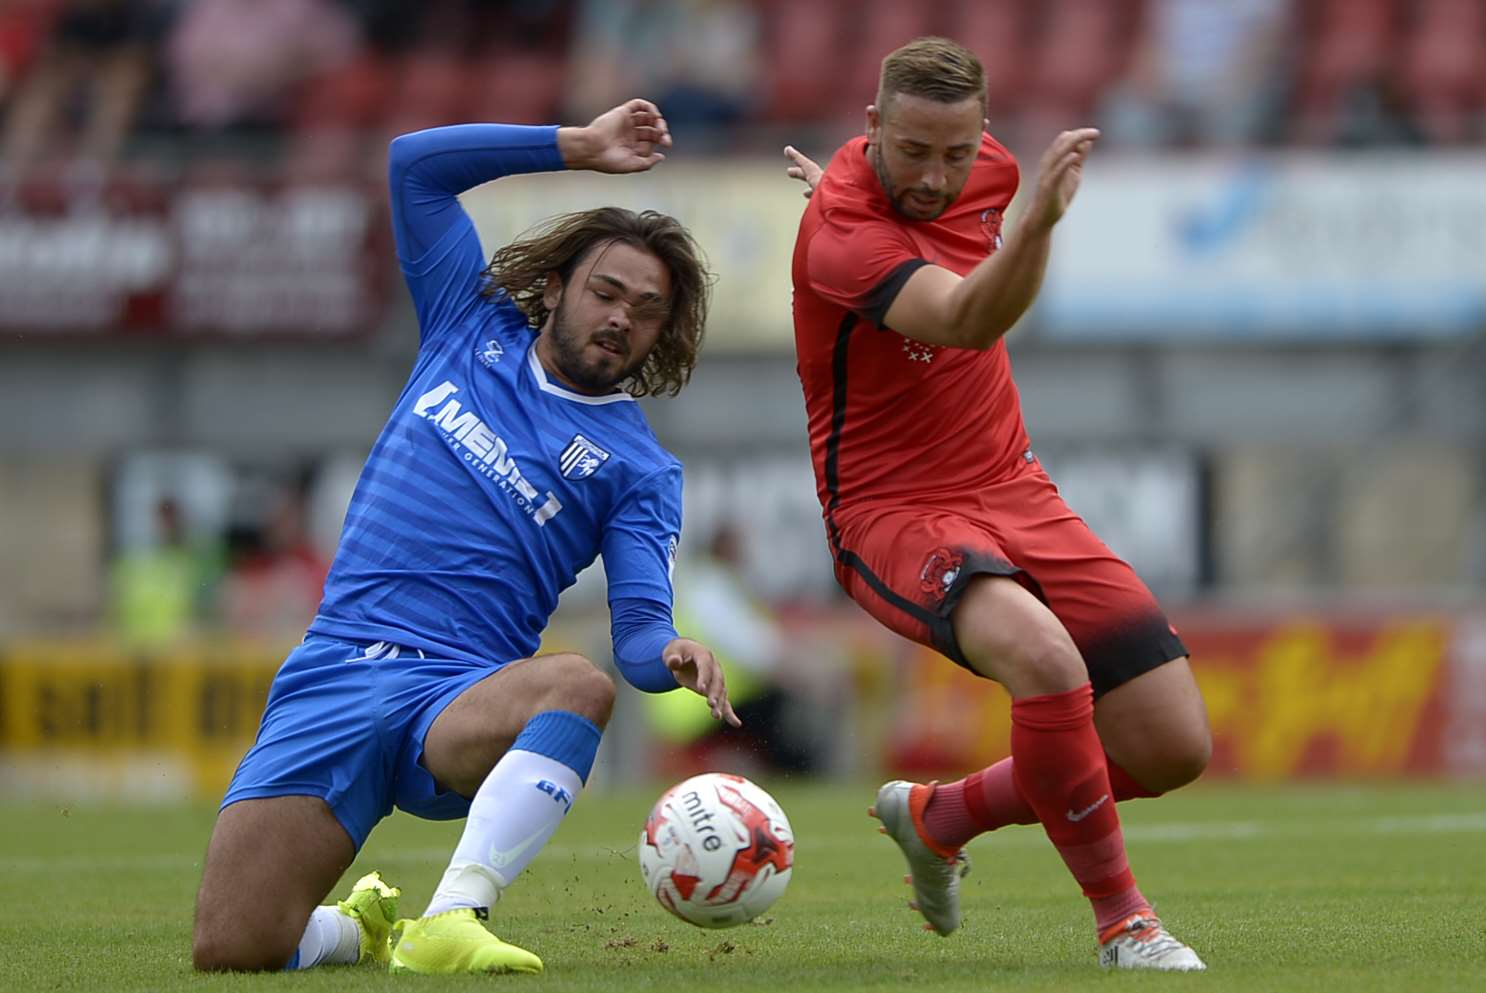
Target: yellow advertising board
1288	696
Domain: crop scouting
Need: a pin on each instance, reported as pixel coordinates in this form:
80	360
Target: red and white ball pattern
717	850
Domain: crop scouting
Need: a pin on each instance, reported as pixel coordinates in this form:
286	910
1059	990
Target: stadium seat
1442	68
515	86
429	91
808	47
1079	48
329	154
995	30
883	25
1344	45
350	96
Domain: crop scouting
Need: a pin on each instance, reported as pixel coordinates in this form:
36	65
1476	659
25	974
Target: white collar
546	386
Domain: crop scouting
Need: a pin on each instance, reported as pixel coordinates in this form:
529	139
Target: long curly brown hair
559	244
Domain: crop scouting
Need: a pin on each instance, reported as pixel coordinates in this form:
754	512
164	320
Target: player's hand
628	138
1059	173
803	168
695	669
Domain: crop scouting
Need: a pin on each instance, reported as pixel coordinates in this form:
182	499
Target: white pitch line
1178	833
1430	823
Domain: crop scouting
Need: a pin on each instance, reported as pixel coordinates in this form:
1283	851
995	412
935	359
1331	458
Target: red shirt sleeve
861	266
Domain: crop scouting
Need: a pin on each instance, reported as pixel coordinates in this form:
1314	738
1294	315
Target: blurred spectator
158	592
275	576
786	705
1204	73
86	84
697	59
238	65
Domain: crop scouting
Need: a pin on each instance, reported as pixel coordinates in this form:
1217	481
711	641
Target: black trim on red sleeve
839	366
877	303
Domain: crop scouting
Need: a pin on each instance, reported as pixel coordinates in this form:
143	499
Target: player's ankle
948	821
1111	911
466	885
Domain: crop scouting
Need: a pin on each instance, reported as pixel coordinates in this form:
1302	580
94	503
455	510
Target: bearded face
605	318
595	360
922	151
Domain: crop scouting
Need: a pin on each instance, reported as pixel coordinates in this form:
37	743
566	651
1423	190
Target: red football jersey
891	418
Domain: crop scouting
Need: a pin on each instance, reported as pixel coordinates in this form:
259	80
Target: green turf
1327	889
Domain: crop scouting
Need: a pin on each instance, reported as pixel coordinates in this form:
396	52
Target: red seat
808	45
997	31
351	96
1081	47
515	87
1343	44
326	155
429	91
884	25
1441	71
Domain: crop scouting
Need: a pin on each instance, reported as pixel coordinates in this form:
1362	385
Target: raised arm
937	306
427	170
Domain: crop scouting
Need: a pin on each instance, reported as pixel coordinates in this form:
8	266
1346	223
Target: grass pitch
1315	888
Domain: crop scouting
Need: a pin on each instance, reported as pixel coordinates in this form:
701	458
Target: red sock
982	801
989	799
1059	769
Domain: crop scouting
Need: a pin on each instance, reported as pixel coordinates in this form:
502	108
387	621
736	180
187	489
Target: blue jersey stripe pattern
491	486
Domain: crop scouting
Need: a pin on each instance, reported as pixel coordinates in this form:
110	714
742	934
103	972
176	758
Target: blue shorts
346	723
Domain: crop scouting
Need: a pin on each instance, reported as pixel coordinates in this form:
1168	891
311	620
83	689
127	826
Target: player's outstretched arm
938	306
695	668
629	138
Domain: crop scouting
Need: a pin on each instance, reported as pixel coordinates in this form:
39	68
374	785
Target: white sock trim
330	938
465	884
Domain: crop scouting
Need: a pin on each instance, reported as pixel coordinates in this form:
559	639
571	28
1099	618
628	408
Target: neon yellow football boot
456	942
373	906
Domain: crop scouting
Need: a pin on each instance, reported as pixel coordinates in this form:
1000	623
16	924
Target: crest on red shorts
940	571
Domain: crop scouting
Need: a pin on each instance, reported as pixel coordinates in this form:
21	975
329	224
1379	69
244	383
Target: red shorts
909	564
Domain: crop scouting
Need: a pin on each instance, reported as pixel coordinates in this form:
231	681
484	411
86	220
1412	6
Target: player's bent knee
1051	664
1177	763
1188	761
226	937
1037	664
1008	635
581	687
212	952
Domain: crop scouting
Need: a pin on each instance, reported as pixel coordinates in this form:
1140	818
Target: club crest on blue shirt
492	353
581	458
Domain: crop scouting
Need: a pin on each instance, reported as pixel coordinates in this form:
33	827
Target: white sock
514	814
330	938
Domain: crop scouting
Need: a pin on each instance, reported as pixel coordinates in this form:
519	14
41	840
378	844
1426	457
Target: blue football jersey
492	486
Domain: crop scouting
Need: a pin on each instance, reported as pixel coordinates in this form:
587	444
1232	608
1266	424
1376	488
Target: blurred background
1257	366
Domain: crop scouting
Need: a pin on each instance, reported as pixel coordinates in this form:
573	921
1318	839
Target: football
716	851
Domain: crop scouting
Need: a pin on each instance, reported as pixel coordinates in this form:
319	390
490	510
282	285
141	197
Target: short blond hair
935	69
